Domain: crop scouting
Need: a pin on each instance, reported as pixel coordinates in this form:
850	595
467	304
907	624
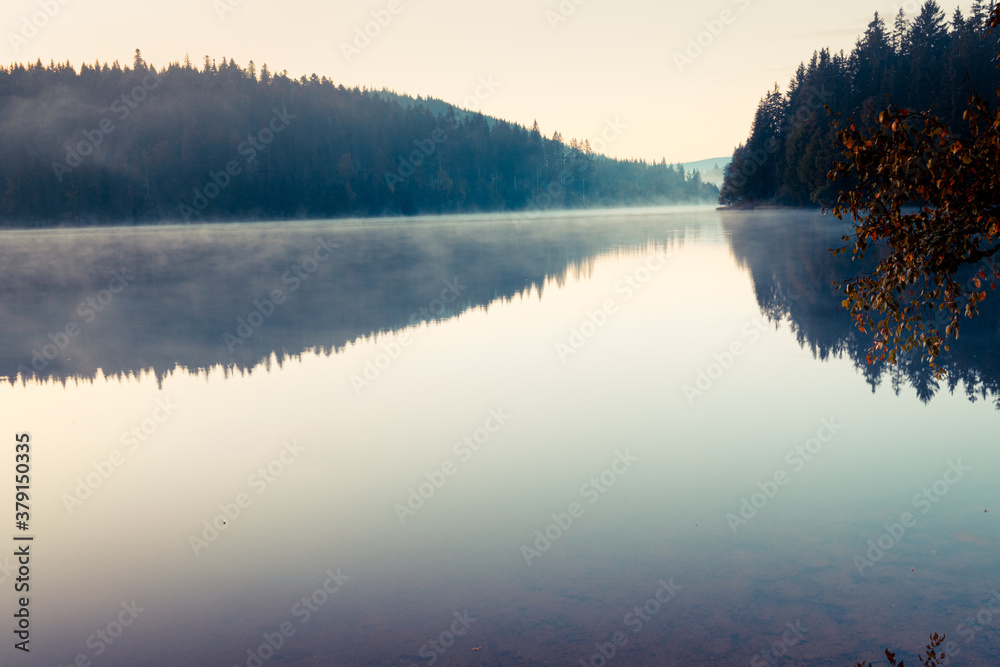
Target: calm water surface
636	438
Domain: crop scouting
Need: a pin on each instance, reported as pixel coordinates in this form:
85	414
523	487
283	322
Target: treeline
136	144
921	63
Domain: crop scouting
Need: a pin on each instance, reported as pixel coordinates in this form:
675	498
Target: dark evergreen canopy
920	64
224	142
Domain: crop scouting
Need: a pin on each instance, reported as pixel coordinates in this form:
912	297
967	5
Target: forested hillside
222	142
919	63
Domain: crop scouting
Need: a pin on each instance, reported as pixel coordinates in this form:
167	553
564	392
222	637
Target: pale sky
582	67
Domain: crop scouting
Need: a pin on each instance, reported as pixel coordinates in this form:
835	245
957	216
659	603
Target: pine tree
979	16
928	41
929	31
900	32
875	37
958	22
870	62
763	144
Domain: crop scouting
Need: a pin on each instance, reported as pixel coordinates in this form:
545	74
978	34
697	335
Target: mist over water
153	299
645	435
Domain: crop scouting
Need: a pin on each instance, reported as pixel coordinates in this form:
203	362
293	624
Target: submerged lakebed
644	437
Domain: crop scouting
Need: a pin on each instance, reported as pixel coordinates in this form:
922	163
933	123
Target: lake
636	437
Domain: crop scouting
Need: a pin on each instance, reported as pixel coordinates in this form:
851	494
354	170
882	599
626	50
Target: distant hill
712	170
112	144
432	104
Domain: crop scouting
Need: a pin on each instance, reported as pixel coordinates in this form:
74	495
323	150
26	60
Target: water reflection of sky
605	437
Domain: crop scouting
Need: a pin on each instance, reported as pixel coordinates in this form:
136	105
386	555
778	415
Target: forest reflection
787	256
129	301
